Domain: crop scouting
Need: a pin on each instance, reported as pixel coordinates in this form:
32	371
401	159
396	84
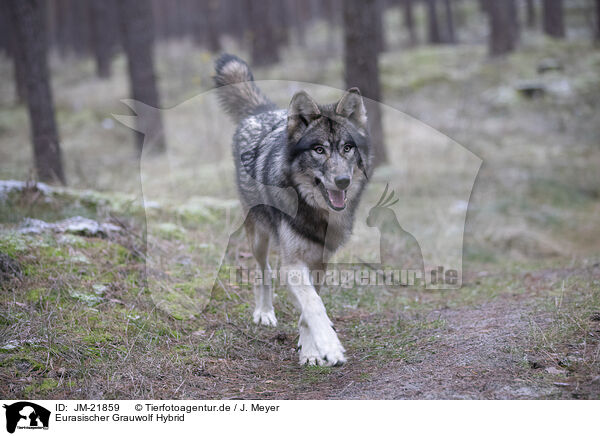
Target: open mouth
335	199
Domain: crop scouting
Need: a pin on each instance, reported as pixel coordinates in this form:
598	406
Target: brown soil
473	359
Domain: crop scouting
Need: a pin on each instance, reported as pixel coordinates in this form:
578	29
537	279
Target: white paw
324	351
265	318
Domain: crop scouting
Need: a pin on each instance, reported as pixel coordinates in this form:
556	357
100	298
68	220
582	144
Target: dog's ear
352	107
303	109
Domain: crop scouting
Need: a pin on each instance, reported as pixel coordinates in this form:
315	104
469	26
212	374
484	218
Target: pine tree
553	18
28	17
504	29
137	32
361	65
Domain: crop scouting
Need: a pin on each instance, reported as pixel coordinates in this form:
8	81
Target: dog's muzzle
336	199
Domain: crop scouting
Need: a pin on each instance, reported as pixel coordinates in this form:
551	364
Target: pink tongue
336	197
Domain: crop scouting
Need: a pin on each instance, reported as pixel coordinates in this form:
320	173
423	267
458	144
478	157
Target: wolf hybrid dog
320	156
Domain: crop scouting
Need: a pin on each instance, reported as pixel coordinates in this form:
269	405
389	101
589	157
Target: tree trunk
553	18
213	37
137	37
530	13
64	34
18	73
483	6
597	36
300	17
503	26
81	28
10	46
514	13
28	17
329	11
450	36
409	22
433	28
5	44
263	47
361	65
101	18
280	19
236	19
379	25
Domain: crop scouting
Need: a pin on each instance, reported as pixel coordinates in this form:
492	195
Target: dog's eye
347	148
319	150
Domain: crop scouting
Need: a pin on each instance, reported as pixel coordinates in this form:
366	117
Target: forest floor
77	318
79	322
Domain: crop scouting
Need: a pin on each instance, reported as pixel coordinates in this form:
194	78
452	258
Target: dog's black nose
342	182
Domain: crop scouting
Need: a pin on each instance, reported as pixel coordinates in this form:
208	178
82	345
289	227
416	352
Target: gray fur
296	155
238	93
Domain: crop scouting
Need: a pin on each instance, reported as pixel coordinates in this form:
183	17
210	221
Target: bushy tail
244	98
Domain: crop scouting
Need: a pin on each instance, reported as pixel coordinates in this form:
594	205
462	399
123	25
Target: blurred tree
70	26
28	17
197	24
361	65
450	34
483	6
183	11
530	13
504	30
409	21
4	32
380	25
597	35
553	18
300	17
11	46
102	18
235	20
63	26
264	49
516	21
433	28
171	18
280	17
137	32
330	10
160	11
212	34
81	27
18	73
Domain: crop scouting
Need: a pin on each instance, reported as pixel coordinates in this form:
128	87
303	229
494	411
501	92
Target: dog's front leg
318	343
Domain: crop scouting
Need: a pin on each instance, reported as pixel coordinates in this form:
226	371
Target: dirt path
474	359
537	338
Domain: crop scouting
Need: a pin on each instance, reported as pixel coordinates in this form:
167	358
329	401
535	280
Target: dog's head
328	149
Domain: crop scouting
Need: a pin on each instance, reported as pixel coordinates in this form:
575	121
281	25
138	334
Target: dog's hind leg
263	292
